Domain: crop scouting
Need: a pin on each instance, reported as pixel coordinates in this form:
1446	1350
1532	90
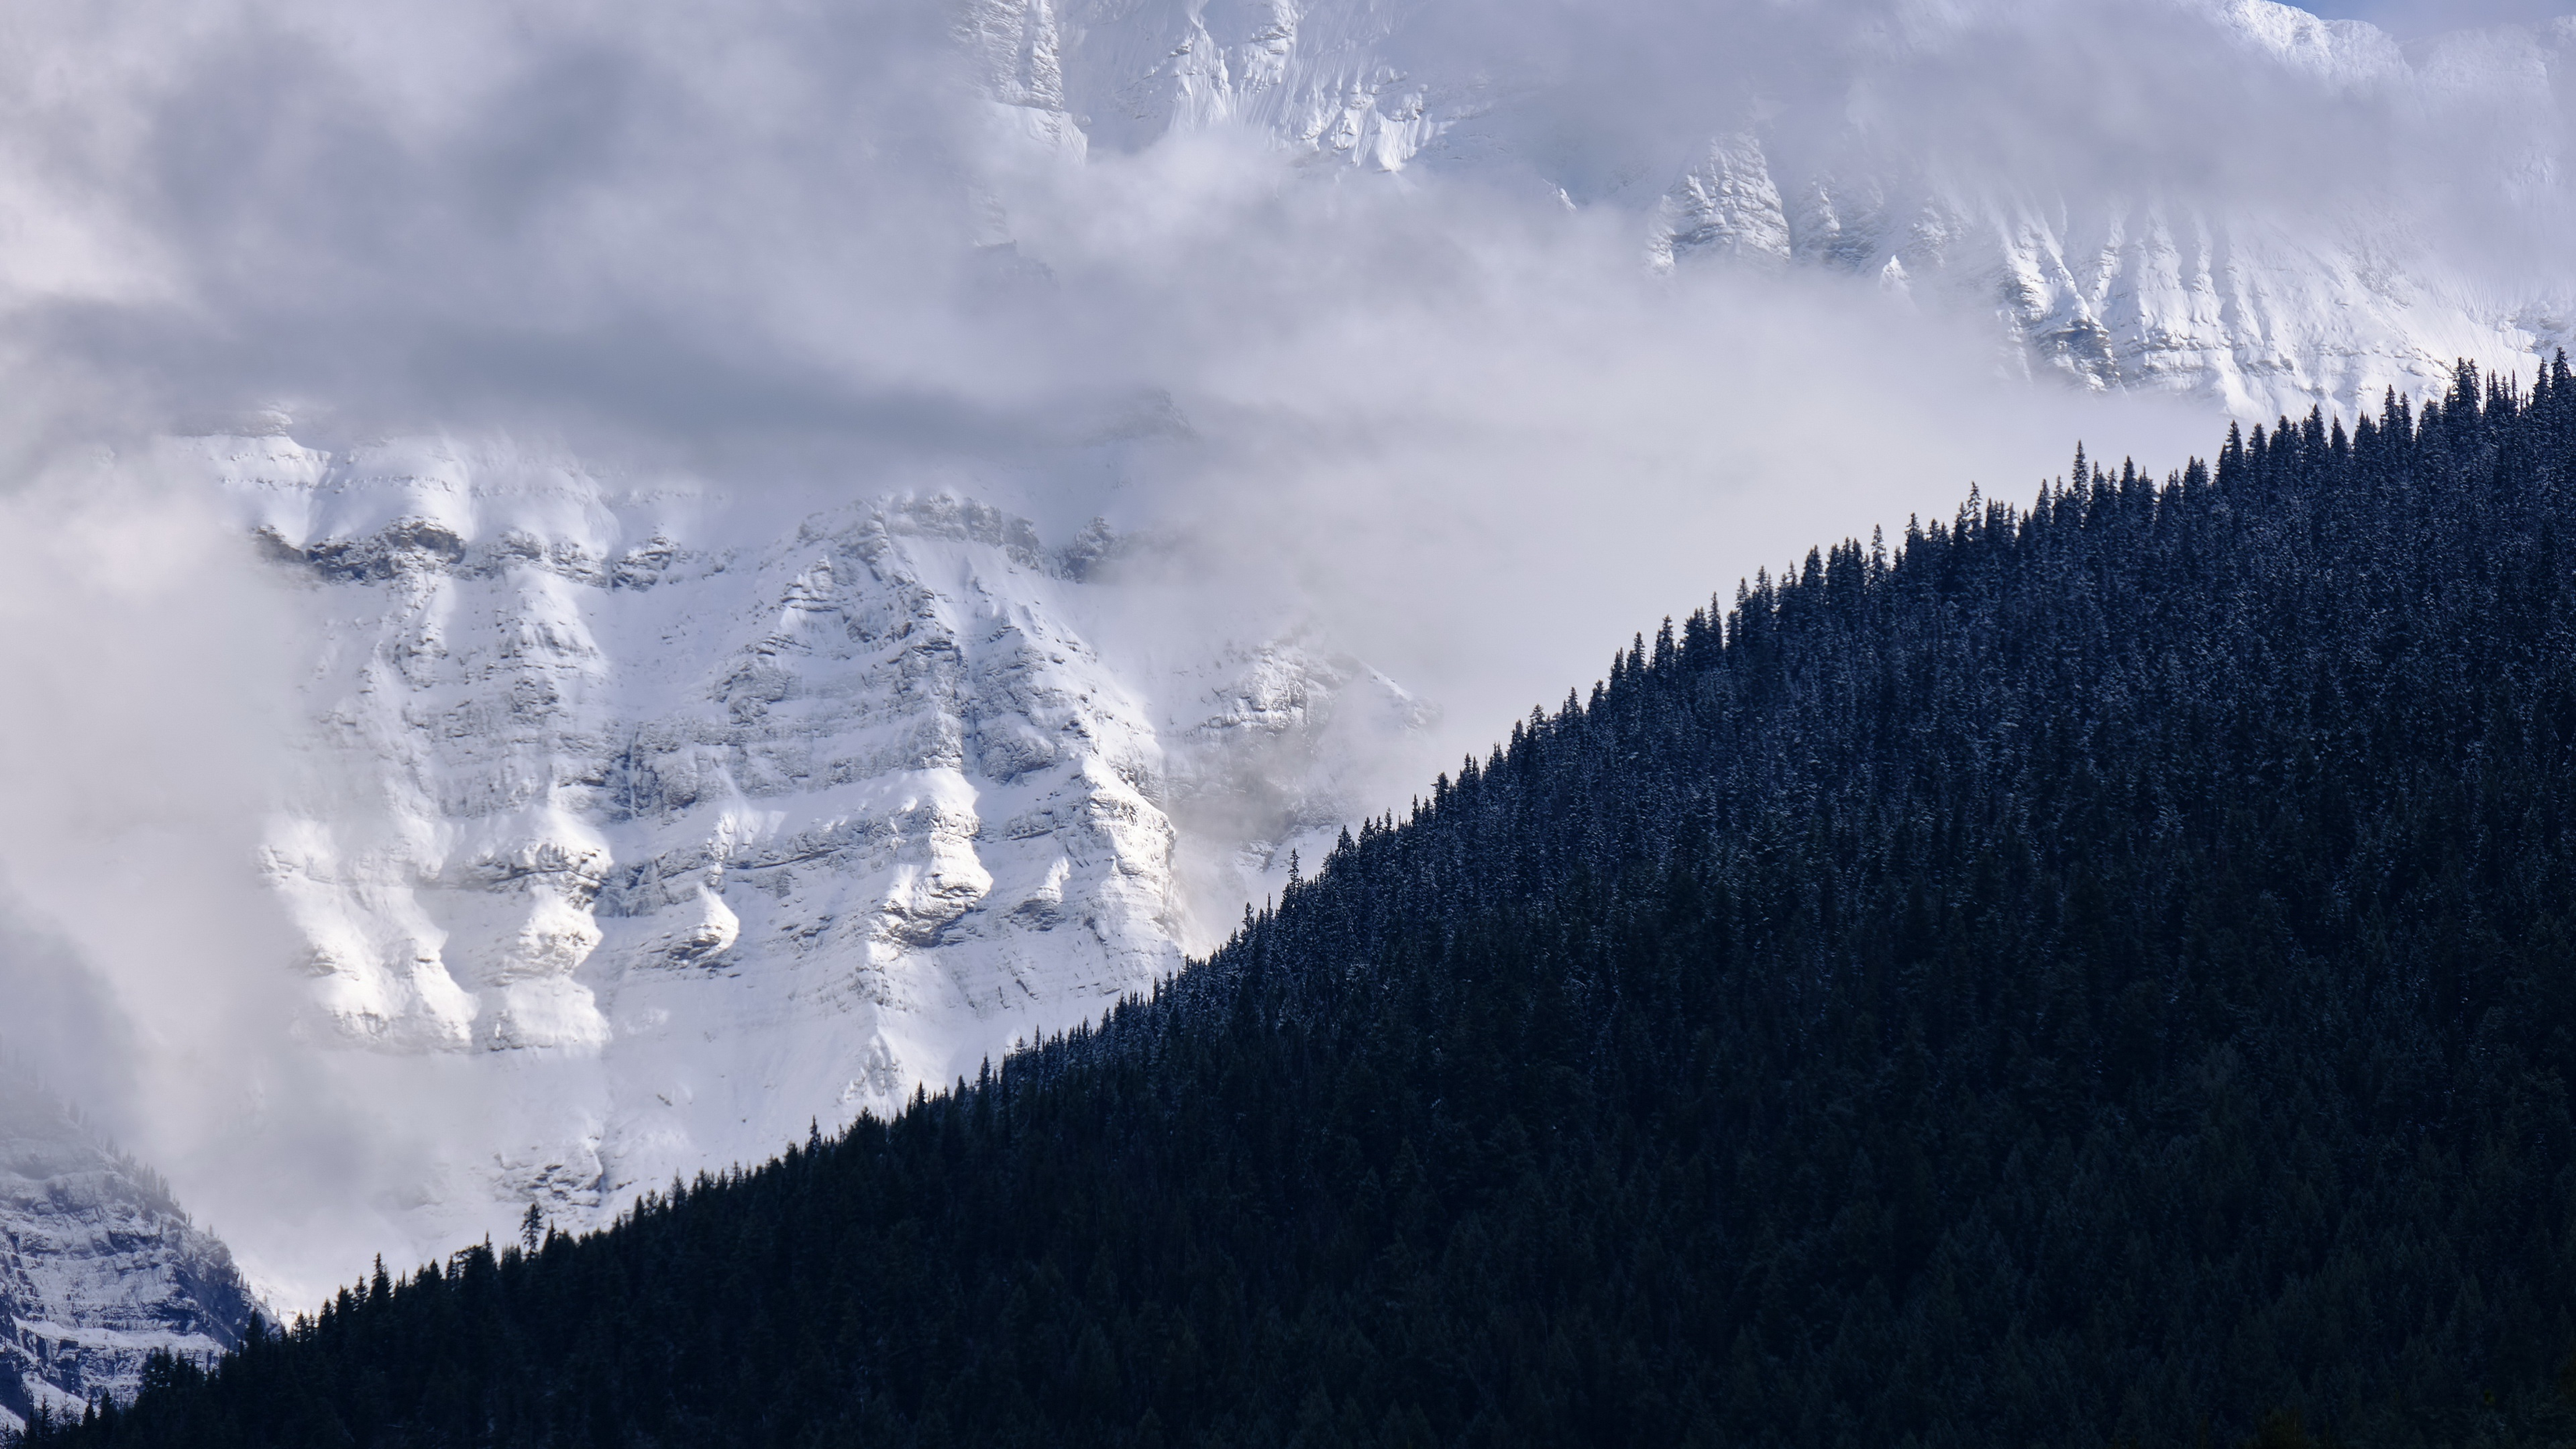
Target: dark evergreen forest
2099	974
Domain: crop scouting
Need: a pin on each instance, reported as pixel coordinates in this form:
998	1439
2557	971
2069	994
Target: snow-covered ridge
697	818
2347	51
2261	316
99	1267
2109	281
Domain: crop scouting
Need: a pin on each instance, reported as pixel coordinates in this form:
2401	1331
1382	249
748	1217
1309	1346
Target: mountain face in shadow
100	1270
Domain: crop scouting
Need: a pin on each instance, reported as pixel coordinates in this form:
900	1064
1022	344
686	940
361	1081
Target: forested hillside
2095	974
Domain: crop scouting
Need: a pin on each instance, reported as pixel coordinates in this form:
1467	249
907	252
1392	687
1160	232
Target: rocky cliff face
98	1266
699	821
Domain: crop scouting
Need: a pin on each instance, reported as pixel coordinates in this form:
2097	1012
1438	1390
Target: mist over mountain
2235	200
592	587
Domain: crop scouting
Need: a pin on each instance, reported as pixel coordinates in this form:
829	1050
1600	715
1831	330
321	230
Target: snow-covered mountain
99	1267
669	818
695	818
2115	272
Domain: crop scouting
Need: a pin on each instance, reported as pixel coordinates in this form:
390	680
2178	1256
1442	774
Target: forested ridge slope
2099	973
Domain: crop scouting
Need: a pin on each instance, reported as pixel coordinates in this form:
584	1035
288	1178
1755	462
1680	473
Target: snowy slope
694	819
2110	277
98	1266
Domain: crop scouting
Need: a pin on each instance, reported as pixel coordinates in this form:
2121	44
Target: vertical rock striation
696	821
